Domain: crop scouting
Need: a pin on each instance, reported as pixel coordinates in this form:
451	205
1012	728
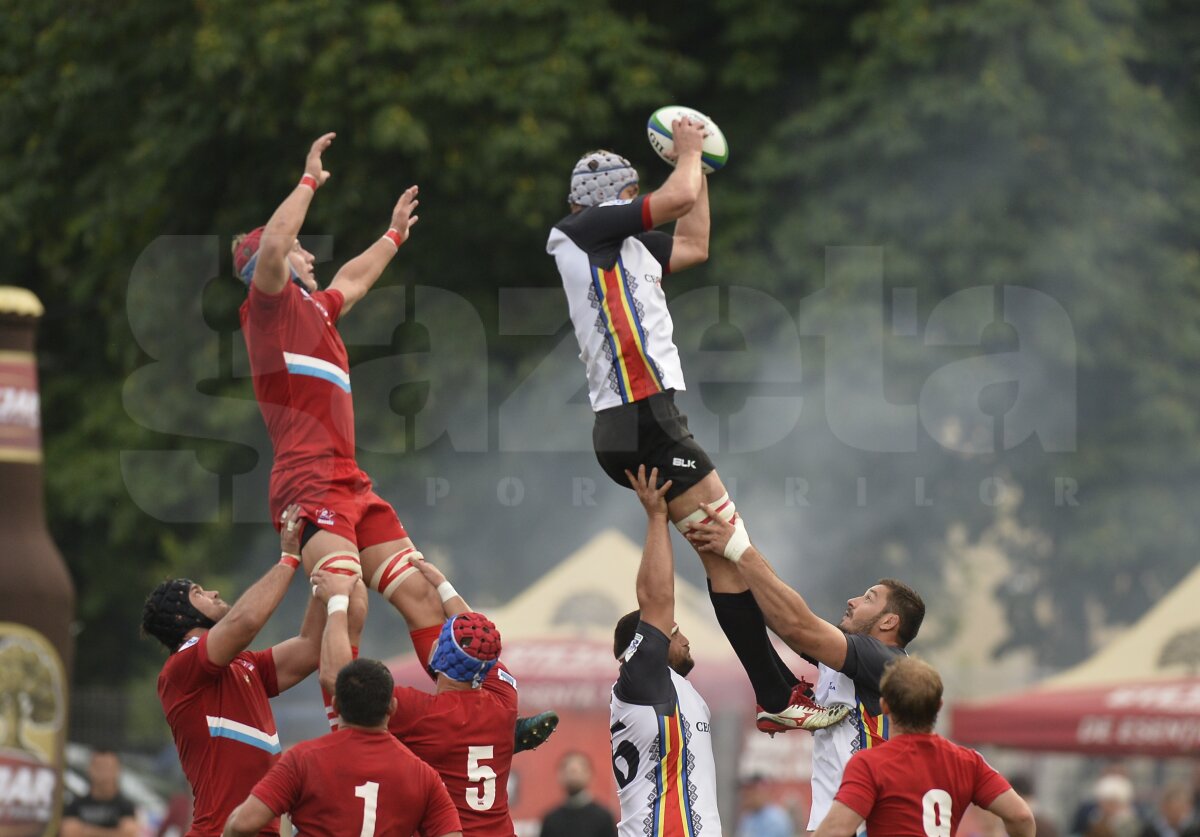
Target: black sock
744	626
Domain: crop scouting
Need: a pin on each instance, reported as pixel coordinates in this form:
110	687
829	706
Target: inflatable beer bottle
37	600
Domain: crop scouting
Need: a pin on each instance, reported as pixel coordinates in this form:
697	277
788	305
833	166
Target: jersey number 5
483	797
368	792
936	807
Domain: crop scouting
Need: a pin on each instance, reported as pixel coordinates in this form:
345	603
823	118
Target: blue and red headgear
467	648
245	257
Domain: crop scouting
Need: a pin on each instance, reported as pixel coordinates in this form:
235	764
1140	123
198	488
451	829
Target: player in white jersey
612	263
850	656
660	726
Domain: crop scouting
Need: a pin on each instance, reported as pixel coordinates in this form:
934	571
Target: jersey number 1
368	792
936	814
483	797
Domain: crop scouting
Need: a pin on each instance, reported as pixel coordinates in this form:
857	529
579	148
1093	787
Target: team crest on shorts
325	517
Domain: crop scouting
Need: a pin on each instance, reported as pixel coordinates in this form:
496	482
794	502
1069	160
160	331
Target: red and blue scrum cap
467	648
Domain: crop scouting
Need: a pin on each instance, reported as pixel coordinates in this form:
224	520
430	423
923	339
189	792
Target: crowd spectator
1175	815
103	812
761	815
579	815
1114	814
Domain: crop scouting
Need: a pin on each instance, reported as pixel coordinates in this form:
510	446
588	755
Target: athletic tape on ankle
739	542
346	563
723	506
392	572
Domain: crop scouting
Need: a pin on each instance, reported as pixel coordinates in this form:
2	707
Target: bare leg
415	597
722	575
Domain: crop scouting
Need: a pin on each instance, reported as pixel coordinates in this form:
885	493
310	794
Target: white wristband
446	591
739	541
337	604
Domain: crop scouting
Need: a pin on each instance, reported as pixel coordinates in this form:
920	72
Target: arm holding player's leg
841	821
656	573
334	592
271	273
238	628
678	195
1014	811
785	610
360	274
452	603
249	818
690	246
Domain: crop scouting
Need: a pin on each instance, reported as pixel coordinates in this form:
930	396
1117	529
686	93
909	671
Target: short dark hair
913	691
624	632
906	604
364	692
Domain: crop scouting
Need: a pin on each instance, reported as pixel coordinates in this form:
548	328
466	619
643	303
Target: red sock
423	640
327	698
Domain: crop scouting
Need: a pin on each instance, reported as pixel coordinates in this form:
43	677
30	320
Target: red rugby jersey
301	379
467	736
224	731
358	782
917	785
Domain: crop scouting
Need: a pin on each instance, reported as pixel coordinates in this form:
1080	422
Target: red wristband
290	560
393	235
309	181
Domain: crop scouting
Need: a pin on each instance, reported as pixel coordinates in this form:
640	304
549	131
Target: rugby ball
713	154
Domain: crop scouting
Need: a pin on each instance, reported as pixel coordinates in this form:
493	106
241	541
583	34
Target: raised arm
1014	811
359	275
678	195
271	273
238	628
785	611
656	573
452	602
690	246
336	650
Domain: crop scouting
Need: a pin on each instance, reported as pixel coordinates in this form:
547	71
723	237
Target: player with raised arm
850	656
660	725
613	261
465	729
920	784
302	382
357	780
215	694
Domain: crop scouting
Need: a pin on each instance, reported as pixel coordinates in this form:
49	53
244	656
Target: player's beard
684	666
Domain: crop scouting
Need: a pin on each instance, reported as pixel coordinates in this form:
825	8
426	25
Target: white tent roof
1164	644
586	593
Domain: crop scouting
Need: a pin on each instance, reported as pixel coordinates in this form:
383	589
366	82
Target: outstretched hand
326	584
652	496
291	527
432	574
312	164
711	536
402	215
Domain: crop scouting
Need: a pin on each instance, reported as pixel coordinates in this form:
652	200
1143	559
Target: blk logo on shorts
324	517
684	463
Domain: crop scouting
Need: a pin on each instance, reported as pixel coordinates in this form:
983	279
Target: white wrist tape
337	604
739	541
446	591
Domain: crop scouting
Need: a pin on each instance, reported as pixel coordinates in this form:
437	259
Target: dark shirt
586	819
103	813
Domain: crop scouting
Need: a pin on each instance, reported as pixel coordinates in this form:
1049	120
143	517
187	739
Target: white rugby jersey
662	746
856	686
612	265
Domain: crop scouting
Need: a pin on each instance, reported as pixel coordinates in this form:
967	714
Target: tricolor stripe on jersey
637	376
872	730
671	813
224	728
317	368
